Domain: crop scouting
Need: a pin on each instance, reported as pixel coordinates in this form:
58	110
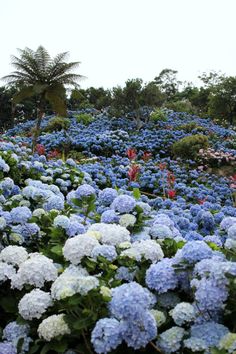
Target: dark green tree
222	100
37	74
168	83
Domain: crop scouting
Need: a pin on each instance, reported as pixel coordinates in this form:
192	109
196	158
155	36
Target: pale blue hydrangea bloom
161	276
123	204
170	341
20	215
129	300
85	190
106	251
210	332
106	335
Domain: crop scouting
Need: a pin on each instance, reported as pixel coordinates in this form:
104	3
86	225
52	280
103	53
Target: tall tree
37	74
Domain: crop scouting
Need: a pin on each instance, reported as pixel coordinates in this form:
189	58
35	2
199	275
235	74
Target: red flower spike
146	156
171	194
133	172
131	153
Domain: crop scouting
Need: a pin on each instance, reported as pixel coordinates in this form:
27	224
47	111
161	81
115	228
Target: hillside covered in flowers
118	237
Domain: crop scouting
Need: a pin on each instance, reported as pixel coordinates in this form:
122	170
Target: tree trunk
39	116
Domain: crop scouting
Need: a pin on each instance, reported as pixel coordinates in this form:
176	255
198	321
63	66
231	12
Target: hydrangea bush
95	259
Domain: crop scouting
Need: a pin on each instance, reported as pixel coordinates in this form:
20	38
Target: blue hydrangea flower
85	190
195	251
106	251
7	348
139	333
20	215
75	228
161	231
232	232
61	221
109	217
124	273
161	276
210	332
107	195
54	202
129	300
123	204
106	335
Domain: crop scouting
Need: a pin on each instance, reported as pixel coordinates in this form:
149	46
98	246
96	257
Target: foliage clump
189	146
84	118
189	127
158	115
57	124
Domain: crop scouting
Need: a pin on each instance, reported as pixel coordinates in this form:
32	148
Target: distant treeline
215	98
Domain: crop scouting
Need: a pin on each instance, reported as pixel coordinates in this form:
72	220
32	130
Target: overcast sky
116	40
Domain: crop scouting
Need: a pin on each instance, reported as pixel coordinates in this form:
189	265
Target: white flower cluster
112	234
34	271
53	327
149	249
79	246
34	304
72	281
127	220
182	313
7	271
14	255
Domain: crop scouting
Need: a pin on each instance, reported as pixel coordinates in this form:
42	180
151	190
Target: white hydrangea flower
39	212
124	245
127	220
14	255
79	246
230	244
34	304
34	271
7	271
67	283
96	234
131	253
53	327
182	313
149	249
3	223
112	234
159	317
105	291
25	203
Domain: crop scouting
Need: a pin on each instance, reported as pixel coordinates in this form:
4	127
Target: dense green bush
189	127
84	118
181	106
158	115
189	146
57	123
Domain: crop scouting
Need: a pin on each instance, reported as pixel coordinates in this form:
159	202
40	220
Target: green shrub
189	127
158	115
181	106
57	123
189	146
84	118
76	155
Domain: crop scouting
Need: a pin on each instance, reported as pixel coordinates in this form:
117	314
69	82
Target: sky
117	40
